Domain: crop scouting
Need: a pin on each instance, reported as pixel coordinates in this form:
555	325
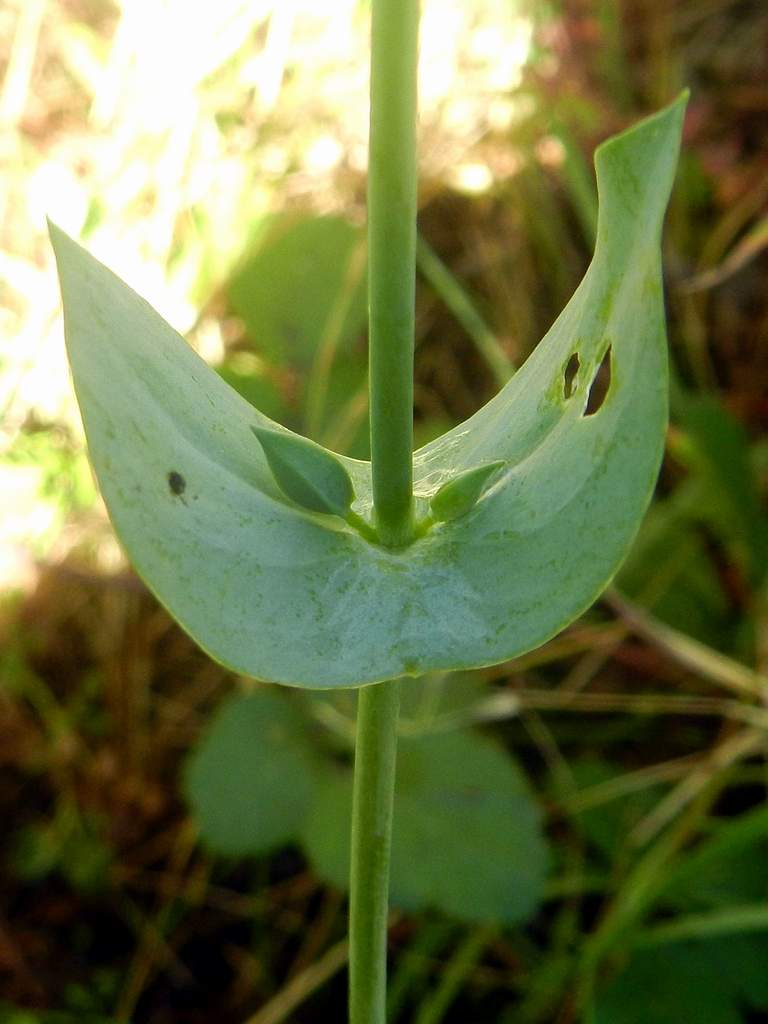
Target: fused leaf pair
282	590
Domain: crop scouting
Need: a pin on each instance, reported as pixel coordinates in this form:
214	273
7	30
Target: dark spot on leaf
600	385
569	375
176	483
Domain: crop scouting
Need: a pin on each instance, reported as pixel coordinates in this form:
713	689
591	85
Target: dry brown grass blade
742	253
629	782
302	986
511	704
706	662
740	745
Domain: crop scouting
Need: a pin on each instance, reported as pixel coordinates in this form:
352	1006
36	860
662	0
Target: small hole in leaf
569	375
600	385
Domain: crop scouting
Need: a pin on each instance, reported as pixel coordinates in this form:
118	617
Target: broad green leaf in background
287	289
301	293
466	840
245	374
712	981
261	738
718	451
492	867
732	879
726	868
708	961
684	588
291	596
721	499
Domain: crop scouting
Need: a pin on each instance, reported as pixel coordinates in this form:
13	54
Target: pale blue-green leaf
466	837
462	492
290	596
307	473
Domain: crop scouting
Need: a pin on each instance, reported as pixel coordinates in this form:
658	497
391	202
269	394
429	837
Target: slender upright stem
392	261
391	275
374	785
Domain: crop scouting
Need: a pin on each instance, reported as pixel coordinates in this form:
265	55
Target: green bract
309	474
456	497
293	596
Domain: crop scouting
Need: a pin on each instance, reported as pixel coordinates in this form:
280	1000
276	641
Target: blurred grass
185	143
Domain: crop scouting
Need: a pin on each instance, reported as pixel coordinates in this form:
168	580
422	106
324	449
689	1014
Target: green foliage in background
712	980
467	834
300	290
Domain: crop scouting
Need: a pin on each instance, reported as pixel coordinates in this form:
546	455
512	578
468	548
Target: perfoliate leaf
309	474
466	836
456	497
293	597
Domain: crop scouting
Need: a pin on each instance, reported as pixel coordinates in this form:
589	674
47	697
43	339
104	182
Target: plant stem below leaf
374	785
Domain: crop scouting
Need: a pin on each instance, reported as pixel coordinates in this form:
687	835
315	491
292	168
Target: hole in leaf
569	375
600	385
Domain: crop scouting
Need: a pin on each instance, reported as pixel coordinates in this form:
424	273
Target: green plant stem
392	262
391	290
374	785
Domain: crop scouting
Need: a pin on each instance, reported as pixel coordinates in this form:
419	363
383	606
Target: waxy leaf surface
287	595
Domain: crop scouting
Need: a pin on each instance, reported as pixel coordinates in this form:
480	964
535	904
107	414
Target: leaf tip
56	234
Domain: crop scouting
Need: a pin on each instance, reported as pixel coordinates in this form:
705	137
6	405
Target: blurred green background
583	831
